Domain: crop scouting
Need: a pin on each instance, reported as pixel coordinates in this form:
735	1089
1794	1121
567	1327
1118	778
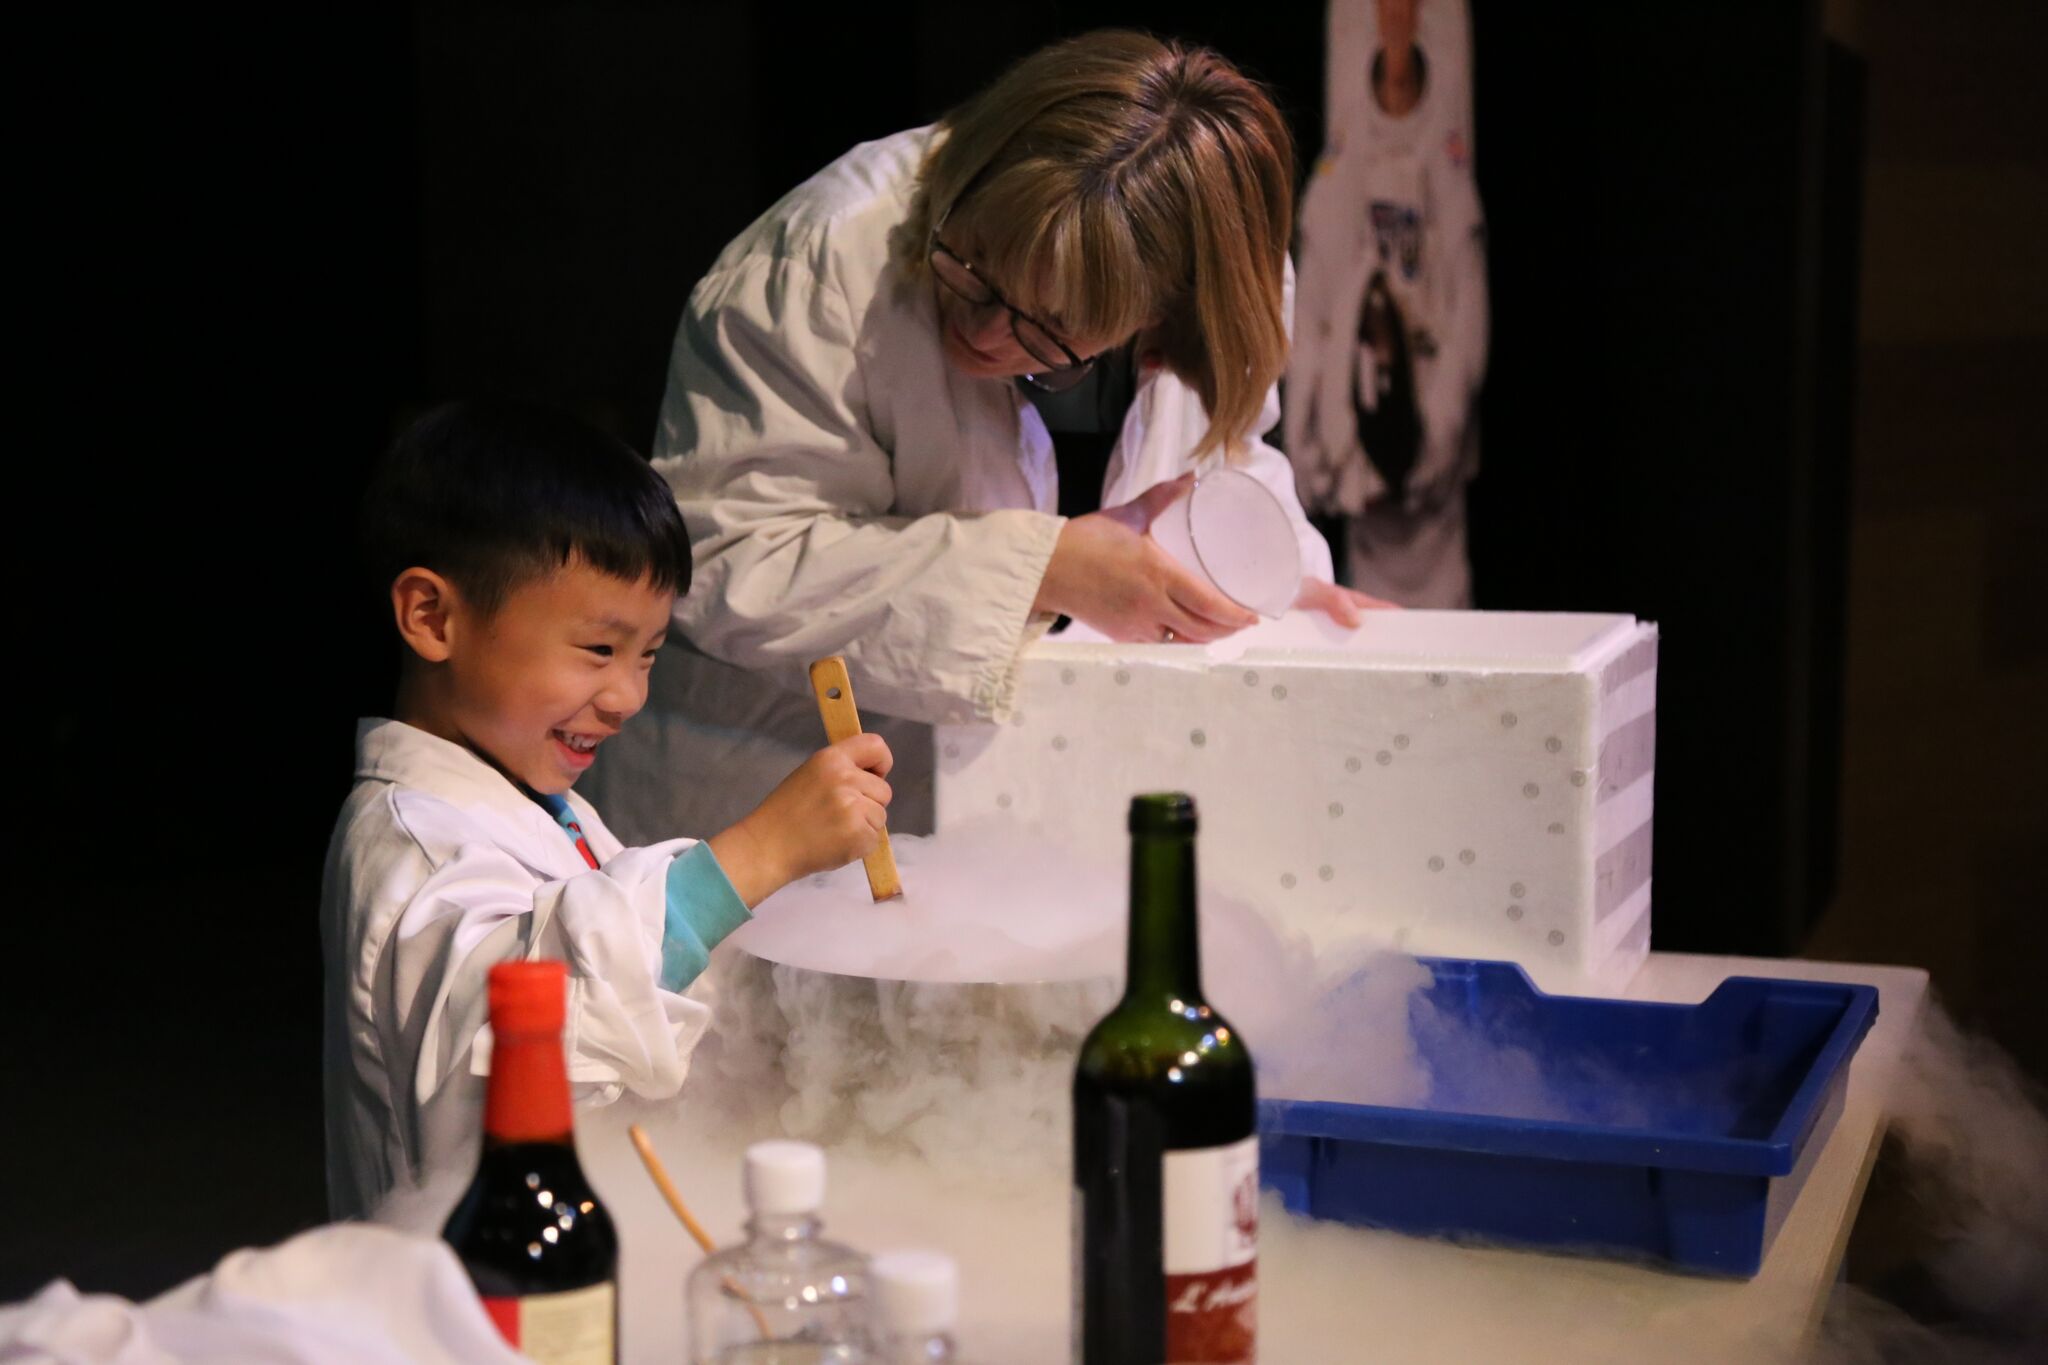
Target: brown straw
659	1174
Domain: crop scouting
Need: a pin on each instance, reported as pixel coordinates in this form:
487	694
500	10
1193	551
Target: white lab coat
847	492
1397	195
440	868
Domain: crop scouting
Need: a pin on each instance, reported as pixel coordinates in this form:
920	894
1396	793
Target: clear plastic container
785	1296
917	1298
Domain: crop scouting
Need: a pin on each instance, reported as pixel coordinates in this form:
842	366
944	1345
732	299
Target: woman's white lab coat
439	868
847	492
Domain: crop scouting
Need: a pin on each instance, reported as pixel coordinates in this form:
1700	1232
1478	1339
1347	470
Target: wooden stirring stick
659	1174
842	721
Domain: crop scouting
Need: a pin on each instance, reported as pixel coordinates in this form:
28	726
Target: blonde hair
1130	181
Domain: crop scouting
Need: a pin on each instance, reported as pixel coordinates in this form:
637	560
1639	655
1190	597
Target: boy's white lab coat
439	868
847	492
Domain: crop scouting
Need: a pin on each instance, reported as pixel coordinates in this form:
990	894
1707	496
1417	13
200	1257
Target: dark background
260	243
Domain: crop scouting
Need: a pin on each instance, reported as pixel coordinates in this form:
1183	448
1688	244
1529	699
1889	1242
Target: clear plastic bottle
785	1296
917	1298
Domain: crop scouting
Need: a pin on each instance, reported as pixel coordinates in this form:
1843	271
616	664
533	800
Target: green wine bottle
1166	1151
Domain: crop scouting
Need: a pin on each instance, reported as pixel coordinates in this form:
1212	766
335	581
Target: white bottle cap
783	1178
918	1291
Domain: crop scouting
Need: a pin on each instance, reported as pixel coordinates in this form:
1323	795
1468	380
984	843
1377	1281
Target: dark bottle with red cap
533	1235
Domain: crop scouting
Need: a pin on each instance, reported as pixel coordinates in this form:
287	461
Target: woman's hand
1345	606
1107	572
824	815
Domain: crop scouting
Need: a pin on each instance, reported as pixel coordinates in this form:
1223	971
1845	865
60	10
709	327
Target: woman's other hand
1106	571
1345	606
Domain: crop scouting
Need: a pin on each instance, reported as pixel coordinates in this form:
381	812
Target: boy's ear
422	602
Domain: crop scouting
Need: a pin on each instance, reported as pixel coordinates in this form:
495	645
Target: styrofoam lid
783	1178
919	1291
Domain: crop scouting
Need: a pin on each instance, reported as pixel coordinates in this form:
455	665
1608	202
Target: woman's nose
988	328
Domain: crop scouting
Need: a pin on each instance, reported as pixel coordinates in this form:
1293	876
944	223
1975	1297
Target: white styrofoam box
1470	784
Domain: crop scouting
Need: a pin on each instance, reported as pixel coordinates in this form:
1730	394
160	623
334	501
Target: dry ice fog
929	1044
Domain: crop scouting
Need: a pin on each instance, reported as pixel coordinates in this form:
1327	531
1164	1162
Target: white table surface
1328	1294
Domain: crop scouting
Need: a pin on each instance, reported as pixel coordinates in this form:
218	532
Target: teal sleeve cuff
702	909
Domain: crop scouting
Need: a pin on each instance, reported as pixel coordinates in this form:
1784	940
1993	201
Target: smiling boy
531	565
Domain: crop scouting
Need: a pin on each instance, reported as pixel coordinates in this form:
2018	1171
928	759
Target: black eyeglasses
1063	369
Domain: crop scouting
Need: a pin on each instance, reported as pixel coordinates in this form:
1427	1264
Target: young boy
531	564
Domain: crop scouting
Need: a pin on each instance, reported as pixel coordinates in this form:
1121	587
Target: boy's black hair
493	494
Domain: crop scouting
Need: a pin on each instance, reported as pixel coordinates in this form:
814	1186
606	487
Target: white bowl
1232	533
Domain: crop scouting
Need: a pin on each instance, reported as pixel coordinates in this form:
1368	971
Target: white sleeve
1272	468
789	498
483	907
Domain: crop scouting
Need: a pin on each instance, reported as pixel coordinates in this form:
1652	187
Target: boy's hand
824	815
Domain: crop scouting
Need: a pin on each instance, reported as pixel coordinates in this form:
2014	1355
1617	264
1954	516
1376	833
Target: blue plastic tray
1676	1133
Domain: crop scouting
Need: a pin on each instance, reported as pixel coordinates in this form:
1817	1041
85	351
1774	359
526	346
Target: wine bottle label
1211	1245
574	1328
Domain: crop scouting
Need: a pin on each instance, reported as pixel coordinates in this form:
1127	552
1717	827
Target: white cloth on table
848	493
439	869
349	1294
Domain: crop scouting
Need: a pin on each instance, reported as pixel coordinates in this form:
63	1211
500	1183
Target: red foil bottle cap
527	997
